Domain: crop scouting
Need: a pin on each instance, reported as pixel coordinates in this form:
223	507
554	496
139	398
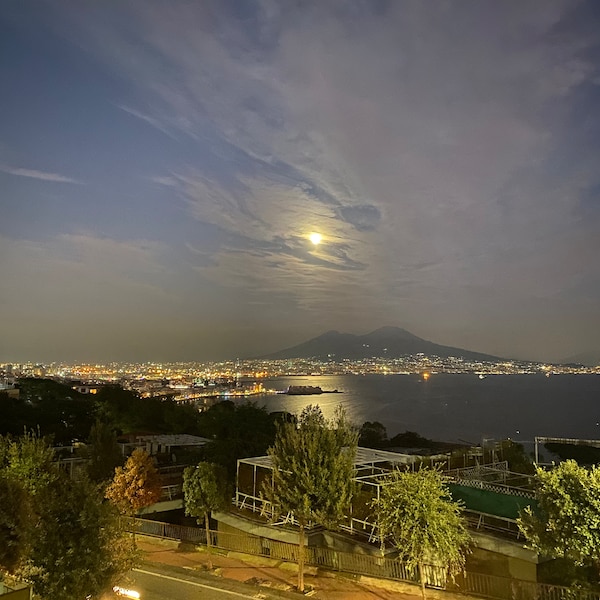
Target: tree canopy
136	485
104	452
237	431
204	490
567	523
416	510
313	468
372	434
55	531
52	408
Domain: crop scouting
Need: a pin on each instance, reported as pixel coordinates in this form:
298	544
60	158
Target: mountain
591	359
389	342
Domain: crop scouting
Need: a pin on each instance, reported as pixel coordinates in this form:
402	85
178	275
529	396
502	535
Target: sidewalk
266	572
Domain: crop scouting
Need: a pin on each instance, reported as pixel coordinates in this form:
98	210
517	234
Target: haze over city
206	180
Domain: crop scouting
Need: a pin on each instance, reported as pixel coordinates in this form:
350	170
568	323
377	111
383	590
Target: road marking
201	585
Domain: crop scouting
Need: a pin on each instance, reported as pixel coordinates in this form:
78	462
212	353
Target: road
157	583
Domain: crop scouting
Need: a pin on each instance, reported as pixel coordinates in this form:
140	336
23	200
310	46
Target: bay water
456	407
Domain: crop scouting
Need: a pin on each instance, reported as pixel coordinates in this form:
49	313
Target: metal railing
479	584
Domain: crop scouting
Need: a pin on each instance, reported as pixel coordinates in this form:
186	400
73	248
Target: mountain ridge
387	341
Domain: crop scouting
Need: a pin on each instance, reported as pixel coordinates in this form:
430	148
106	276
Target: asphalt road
176	584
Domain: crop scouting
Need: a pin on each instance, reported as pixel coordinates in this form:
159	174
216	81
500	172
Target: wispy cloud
440	151
153	122
35	174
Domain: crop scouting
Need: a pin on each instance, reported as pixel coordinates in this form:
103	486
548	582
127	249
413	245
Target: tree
15	522
417	511
204	490
372	434
105	454
56	532
30	460
313	469
78	547
136	485
227	425
566	524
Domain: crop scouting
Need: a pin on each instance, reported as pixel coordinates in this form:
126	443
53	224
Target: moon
315	238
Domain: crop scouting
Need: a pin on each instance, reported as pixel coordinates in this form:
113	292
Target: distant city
194	380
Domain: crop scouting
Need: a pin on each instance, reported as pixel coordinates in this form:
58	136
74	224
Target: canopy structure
491	485
370	466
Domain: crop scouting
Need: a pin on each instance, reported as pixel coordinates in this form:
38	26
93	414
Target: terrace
492	495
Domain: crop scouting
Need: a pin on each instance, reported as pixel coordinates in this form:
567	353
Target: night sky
163	164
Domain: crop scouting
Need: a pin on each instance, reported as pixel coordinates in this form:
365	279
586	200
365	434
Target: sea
455	407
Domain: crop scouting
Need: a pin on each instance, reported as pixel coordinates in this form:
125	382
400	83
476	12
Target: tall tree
136	485
105	454
204	490
313	469
567	522
417	511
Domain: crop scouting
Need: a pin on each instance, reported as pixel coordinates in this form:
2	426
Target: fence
479	584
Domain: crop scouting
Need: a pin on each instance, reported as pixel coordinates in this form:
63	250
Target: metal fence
479	584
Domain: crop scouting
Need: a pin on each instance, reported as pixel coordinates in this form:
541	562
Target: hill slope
389	342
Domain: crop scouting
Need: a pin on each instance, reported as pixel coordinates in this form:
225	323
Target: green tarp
491	503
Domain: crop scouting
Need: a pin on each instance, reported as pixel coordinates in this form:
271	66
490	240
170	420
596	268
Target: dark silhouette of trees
126	411
49	407
237	431
372	434
104	453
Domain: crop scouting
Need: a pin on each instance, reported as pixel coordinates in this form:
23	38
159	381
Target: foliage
204	490
372	434
30	460
136	485
53	408
586	455
56	532
312	474
313	468
78	548
15	523
104	455
125	411
567	524
417	511
562	571
517	458
237	431
411	439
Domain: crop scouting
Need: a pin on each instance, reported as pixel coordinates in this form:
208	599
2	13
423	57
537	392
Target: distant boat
482	376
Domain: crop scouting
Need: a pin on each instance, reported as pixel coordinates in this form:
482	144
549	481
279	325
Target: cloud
438	150
153	122
34	174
